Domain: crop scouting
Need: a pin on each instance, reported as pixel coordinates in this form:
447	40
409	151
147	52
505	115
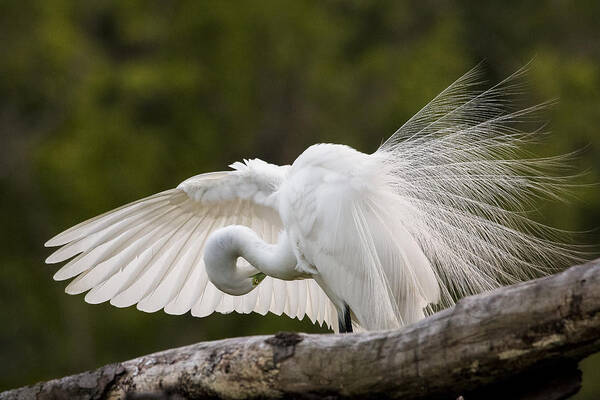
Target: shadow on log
517	342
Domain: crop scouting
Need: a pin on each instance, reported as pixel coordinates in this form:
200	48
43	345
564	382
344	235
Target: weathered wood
521	341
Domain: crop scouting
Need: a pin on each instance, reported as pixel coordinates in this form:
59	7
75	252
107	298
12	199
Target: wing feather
302	299
94	224
279	297
208	302
102	235
150	252
105	249
265	295
193	289
174	279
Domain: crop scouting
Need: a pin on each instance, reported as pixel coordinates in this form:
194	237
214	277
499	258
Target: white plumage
436	213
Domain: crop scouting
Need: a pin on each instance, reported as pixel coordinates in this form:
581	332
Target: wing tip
149	306
172	309
120	302
57	257
55	241
58	276
74	289
90	298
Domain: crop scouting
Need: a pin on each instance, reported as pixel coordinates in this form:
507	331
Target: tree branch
521	341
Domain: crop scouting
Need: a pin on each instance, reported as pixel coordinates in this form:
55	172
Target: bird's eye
256	279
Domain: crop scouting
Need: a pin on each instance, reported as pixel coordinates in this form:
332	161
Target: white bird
374	241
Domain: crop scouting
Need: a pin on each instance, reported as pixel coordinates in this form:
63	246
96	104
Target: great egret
373	241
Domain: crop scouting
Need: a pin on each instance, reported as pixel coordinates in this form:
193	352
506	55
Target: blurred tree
105	102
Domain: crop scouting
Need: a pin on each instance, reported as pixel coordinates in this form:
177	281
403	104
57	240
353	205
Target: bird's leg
345	320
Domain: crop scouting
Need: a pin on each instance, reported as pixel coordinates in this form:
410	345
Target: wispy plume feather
464	183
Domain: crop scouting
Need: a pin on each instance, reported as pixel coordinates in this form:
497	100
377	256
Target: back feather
463	189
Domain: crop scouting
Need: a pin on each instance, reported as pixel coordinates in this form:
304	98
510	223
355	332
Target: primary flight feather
370	241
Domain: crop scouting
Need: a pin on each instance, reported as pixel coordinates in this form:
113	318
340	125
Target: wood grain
521	341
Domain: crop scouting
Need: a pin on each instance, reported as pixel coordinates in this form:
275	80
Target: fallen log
517	342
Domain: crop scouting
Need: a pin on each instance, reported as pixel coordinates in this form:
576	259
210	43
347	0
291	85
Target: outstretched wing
150	252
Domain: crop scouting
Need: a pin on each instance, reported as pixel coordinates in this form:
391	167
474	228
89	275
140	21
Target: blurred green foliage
103	102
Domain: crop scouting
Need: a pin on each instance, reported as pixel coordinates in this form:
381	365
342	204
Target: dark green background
105	102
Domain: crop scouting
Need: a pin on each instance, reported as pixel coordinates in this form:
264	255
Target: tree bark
517	342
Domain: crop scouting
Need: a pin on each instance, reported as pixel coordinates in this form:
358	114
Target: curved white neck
226	245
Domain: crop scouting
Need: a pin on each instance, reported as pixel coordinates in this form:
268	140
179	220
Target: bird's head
225	269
